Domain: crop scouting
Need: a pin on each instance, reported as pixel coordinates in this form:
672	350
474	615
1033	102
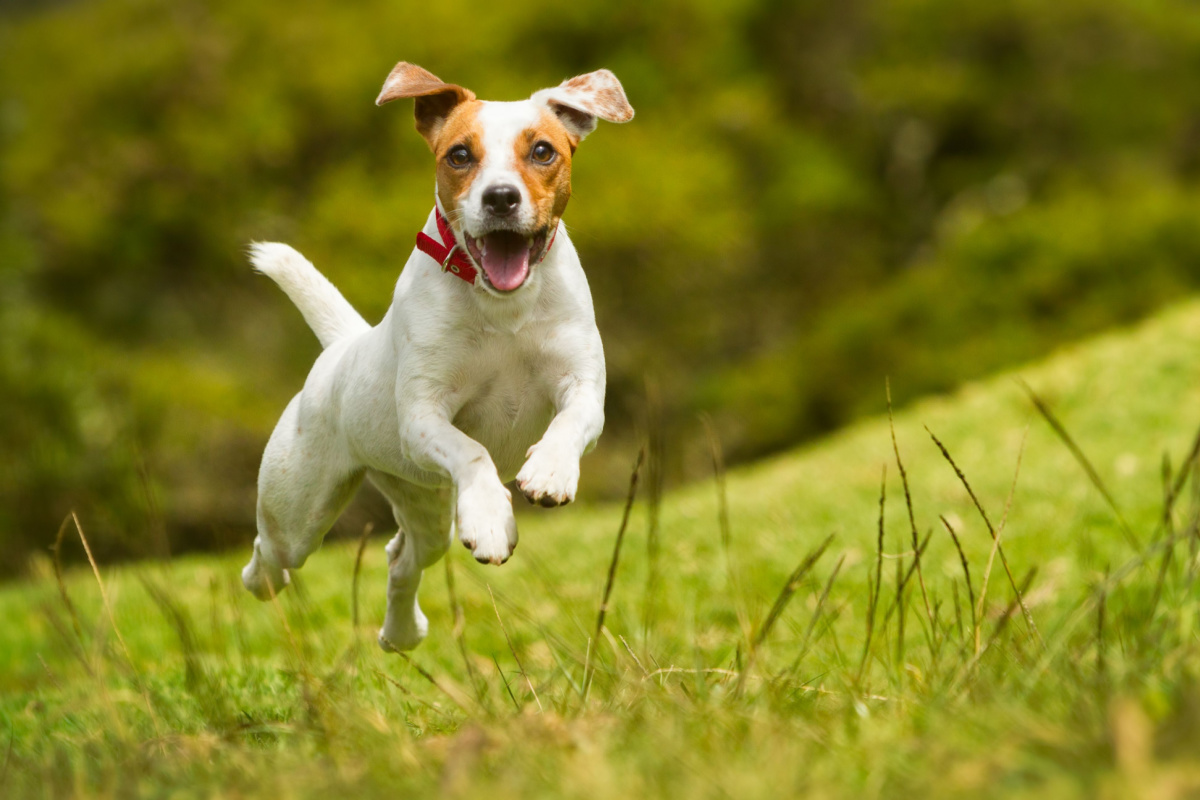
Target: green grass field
716	674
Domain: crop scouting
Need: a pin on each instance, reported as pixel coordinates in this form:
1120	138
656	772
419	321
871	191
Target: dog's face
504	169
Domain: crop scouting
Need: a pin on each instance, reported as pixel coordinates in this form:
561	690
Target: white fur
456	391
501	124
323	307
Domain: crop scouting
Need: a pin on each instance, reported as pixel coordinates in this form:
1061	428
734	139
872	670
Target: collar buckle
447	253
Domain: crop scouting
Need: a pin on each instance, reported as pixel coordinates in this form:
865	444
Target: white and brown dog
487	365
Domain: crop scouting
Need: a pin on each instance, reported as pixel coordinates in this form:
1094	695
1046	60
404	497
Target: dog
487	366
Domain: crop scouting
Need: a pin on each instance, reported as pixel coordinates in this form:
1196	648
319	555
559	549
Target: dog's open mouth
506	256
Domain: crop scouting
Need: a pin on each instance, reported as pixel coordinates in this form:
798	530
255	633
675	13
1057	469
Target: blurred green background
813	196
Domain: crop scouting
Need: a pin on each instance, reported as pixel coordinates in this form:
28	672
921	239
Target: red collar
450	256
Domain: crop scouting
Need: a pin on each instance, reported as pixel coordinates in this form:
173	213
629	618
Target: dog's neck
508	312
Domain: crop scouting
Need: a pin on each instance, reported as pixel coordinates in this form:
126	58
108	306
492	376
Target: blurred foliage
813	196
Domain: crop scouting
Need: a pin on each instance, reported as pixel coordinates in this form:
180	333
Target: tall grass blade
718	465
995	537
962	557
1188	467
507	687
612	567
656	481
873	592
513	650
912	521
358	559
1083	461
205	690
1101	610
460	624
816	616
785	596
455	694
904	576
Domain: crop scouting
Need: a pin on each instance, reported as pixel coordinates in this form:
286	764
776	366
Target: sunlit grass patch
825	623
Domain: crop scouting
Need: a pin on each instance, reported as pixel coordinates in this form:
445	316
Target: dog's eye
459	156
543	153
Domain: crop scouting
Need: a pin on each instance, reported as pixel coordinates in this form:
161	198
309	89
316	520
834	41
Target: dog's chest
506	387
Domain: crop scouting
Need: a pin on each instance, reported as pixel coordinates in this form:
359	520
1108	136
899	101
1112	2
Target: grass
784	629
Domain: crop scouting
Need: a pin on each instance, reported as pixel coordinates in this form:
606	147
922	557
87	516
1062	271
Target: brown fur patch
461	127
549	184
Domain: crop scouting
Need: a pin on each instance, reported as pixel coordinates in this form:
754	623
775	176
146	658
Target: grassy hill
812	196
707	680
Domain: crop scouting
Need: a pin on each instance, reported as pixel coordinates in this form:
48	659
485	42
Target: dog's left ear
435	98
580	101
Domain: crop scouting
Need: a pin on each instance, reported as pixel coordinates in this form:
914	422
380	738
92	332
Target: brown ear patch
580	101
435	99
601	94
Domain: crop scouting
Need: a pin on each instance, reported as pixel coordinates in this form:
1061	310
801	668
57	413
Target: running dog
487	366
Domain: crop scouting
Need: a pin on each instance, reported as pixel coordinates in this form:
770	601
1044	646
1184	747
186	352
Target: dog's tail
323	307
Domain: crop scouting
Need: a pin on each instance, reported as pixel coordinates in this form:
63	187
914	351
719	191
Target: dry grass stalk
633	655
112	621
968	669
75	643
987	570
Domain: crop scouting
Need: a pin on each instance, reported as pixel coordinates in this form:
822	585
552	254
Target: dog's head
504	169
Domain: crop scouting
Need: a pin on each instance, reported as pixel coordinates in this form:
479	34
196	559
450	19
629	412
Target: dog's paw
263	580
396	636
550	475
485	522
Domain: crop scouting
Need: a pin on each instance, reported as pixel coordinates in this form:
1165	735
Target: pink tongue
506	259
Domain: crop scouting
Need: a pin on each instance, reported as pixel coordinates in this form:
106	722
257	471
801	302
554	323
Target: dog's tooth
479	244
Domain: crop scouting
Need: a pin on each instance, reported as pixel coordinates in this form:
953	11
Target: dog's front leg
483	507
550	476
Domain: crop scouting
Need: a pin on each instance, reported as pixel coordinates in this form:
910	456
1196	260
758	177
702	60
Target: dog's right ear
582	100
435	98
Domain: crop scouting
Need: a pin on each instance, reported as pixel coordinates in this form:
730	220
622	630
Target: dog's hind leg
424	536
305	481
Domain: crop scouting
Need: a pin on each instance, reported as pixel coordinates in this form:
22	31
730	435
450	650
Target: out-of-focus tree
812	196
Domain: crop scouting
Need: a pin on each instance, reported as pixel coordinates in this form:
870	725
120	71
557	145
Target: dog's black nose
502	200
